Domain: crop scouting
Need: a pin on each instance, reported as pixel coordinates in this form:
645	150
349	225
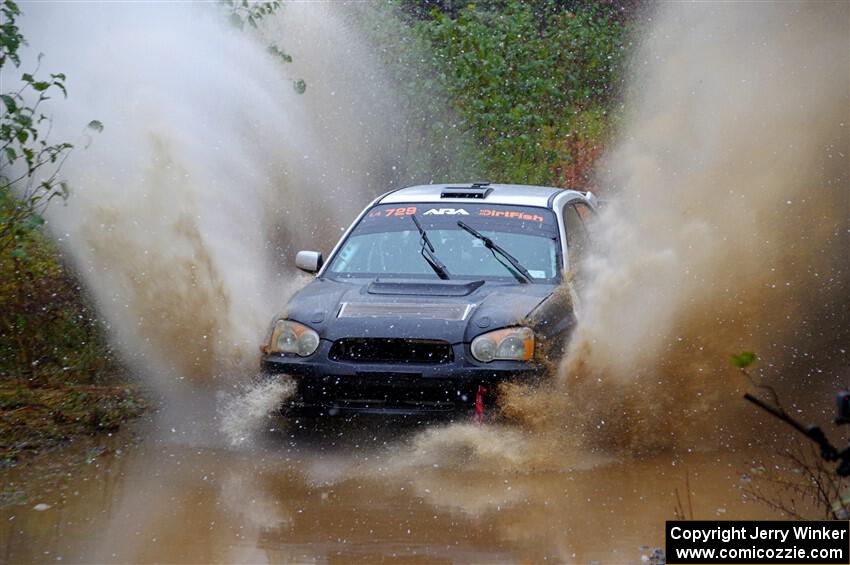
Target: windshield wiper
518	271
427	252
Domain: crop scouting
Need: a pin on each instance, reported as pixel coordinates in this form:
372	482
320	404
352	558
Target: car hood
455	311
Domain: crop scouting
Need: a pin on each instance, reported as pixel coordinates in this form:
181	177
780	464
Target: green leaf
9	102
40	86
34	221
300	86
11	155
743	359
95	125
275	50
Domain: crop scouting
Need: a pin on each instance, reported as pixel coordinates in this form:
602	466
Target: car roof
517	194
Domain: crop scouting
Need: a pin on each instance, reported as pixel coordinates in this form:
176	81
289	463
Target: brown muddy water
338	495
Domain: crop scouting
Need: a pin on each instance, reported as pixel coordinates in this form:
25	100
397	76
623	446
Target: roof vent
478	190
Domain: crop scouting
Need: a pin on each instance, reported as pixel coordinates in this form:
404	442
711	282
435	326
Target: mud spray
210	173
727	232
731	229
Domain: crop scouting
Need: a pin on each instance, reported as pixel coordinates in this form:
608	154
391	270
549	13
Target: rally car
433	296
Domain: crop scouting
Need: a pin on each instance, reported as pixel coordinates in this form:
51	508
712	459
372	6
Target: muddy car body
434	294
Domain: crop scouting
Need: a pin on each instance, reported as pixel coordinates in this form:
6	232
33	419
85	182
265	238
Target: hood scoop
420	288
451	312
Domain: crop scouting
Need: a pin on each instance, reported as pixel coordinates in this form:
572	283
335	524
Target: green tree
530	83
436	143
44	323
29	162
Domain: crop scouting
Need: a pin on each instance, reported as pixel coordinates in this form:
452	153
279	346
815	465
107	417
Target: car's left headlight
516	344
292	337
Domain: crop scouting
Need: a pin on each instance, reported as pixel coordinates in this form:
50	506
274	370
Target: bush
534	89
47	329
527	84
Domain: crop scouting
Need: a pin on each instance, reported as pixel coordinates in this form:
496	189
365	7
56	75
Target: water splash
729	230
252	409
210	173
211	170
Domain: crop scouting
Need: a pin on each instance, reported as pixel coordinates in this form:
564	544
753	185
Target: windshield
387	243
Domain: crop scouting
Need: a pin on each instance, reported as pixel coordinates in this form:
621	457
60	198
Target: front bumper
333	386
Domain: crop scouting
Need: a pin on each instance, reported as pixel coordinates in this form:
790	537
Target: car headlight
516	344
292	337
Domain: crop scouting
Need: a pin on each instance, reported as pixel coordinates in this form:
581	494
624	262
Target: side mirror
309	261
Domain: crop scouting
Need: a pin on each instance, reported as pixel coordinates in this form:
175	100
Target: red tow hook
479	404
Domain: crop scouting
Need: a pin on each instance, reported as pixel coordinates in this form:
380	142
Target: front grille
386	390
392	350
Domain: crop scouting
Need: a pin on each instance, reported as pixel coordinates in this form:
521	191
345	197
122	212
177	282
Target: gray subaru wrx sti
433	296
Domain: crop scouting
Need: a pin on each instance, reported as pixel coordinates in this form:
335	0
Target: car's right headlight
292	337
516	344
